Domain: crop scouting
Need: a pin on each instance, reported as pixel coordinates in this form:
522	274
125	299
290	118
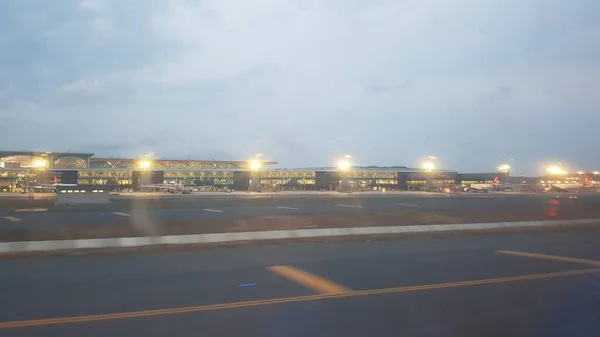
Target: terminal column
402	181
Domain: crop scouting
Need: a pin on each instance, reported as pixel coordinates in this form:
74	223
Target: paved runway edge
130	242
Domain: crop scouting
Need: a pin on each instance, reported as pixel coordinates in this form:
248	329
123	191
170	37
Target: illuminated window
386	182
373	175
443	182
24	161
287	174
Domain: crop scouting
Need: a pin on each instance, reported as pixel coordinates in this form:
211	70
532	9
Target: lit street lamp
255	165
40	163
430	163
504	168
429	166
344	165
145	164
556	170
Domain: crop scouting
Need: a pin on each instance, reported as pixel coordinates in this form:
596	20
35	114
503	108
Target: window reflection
69	162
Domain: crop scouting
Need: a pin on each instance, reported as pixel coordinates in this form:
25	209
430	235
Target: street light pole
255	166
344	166
429	167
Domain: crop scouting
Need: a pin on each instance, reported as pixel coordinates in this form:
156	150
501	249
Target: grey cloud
61	45
20	134
95	92
106	148
388	88
150	141
5	100
303	82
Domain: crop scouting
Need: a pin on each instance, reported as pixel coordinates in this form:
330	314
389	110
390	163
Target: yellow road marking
11	218
211	307
311	281
551	257
122	214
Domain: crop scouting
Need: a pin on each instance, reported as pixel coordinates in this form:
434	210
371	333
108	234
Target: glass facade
290	179
443	182
164	164
416	185
21	180
16	162
386	182
105	177
100	164
200	178
278	174
126	165
373	175
69	162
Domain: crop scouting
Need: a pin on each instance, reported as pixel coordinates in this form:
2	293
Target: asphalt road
482	285
184	208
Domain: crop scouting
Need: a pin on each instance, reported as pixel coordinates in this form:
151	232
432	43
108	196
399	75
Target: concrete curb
58	245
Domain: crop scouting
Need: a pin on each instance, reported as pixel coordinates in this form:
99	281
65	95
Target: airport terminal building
22	170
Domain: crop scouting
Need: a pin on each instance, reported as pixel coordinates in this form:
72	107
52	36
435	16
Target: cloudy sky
472	82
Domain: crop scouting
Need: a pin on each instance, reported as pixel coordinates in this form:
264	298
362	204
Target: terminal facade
24	170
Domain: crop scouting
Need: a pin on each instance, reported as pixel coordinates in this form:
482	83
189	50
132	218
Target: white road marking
122	214
12	218
31	210
213	210
285	207
407	205
353	206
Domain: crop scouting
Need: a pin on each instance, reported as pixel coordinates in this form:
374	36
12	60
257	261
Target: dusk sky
475	83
